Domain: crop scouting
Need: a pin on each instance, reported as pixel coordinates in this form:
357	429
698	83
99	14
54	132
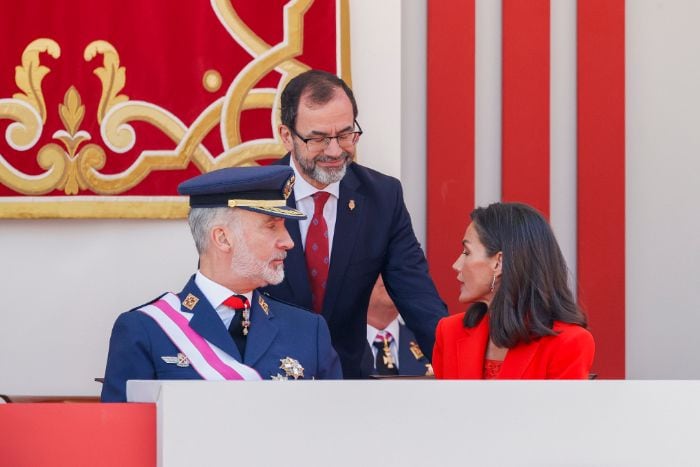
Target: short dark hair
318	86
533	290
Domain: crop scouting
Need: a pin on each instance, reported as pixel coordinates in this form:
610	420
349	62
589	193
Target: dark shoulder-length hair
533	290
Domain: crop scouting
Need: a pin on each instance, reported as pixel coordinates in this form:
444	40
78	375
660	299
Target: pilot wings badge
181	360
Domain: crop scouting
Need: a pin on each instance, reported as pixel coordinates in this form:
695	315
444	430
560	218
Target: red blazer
459	352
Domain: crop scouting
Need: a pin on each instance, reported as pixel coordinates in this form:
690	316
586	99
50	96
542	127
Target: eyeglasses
319	143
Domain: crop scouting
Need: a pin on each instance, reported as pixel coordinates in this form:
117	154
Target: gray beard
321	175
245	264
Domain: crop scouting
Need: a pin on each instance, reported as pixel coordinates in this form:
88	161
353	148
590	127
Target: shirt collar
303	189
392	327
215	292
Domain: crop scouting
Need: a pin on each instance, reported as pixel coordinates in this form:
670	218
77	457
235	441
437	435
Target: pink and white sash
208	360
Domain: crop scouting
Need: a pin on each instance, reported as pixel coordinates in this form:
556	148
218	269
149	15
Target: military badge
415	350
263	304
190	301
181	360
292	367
288	187
278	377
351	204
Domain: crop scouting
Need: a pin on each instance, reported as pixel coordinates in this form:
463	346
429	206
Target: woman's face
475	269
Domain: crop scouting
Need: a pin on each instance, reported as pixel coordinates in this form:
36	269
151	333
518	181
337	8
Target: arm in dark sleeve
328	361
408	282
129	356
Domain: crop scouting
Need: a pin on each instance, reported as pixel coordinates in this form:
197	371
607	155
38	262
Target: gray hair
202	220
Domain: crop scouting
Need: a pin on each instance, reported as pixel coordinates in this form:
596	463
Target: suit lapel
471	350
350	215
295	265
206	322
263	329
517	360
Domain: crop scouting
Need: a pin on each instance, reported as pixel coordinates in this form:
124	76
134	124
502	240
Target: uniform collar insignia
190	301
263	304
415	350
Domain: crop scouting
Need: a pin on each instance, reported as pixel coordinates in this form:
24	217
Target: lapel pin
351	204
190	301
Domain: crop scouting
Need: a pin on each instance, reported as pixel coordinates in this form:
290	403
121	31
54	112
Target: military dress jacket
140	349
412	360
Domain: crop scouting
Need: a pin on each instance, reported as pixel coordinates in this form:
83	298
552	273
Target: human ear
220	239
286	136
498	264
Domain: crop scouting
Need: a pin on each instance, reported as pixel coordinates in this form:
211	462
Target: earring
493	282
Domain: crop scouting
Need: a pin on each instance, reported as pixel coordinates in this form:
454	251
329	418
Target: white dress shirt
303	192
393	329
216	294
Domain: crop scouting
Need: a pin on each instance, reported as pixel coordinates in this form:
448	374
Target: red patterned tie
316	251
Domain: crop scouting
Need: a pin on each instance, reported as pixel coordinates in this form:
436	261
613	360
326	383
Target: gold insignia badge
263	304
288	187
415	350
190	301
278	377
351	204
292	367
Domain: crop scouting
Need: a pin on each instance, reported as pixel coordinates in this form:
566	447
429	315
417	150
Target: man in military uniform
220	326
392	347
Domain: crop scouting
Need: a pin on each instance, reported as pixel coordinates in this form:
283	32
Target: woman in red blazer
523	322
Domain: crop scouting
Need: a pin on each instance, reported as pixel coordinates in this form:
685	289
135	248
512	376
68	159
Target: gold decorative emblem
292	367
351	204
190	301
279	377
415	350
288	187
263	304
74	161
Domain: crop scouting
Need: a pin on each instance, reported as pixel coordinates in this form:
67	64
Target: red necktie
316	251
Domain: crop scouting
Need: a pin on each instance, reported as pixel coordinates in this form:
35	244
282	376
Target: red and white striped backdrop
528	103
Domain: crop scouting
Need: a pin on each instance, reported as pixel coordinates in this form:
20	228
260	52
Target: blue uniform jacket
373	235
138	343
412	361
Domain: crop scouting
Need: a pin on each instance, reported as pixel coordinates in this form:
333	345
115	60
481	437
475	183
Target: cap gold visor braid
259	203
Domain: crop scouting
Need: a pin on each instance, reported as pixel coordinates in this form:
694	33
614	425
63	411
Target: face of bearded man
256	256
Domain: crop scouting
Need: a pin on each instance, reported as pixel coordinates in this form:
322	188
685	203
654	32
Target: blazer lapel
206	322
350	215
471	350
517	360
295	276
263	329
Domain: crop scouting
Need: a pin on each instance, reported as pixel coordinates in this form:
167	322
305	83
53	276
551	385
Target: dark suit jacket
138	343
373	235
410	363
459	352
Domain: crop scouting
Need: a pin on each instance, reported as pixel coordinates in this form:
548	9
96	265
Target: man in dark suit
392	347
357	227
220	327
